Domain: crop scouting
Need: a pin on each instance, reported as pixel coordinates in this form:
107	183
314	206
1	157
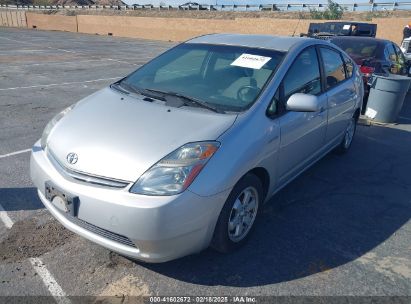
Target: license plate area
62	200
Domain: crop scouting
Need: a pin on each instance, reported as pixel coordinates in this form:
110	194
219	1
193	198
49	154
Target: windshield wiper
118	87
188	99
132	89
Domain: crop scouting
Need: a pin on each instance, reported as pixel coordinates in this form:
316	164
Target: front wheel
239	214
348	136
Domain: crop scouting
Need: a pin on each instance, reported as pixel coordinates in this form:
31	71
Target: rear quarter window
349	66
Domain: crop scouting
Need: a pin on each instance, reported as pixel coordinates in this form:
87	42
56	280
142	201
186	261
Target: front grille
100	231
84	177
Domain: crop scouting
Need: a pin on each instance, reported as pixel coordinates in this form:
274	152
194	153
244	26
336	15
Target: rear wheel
239	214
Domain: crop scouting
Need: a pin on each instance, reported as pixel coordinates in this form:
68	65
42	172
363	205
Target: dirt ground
31	238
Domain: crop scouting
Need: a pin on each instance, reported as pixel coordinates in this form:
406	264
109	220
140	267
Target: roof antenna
298	23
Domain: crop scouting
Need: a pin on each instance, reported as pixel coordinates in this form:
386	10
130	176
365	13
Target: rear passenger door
340	90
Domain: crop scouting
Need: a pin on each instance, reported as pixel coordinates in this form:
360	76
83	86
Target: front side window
399	66
229	78
390	54
333	67
304	75
401	57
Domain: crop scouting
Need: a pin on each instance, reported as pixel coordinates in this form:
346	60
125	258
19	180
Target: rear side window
333	67
304	75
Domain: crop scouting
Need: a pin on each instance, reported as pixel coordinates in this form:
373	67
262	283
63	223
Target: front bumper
159	228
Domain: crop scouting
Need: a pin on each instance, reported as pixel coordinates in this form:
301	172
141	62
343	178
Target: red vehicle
373	56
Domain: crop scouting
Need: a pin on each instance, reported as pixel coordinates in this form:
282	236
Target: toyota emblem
72	158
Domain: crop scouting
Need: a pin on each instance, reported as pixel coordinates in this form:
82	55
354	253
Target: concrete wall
177	29
13	18
52	22
391	28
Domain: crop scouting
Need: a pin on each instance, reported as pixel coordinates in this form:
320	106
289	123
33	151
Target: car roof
278	43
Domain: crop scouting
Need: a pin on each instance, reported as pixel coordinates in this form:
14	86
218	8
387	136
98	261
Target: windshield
327	28
228	78
358	48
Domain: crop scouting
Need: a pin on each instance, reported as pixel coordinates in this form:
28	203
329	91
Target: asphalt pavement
342	228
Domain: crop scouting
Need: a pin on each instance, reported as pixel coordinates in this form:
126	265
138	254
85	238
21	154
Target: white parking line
53	287
15	153
126	62
5	218
49	47
48	280
60	84
69	51
53	62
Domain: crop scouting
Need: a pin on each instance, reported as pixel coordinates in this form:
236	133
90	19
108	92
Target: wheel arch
263	176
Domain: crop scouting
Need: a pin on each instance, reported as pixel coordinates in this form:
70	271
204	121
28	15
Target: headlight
51	124
175	172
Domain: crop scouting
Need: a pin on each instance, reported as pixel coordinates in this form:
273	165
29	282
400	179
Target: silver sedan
182	153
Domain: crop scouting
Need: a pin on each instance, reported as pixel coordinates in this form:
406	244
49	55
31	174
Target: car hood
120	137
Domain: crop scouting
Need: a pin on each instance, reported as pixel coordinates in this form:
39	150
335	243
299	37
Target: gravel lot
342	228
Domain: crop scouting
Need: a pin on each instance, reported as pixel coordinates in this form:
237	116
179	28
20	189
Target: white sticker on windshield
346	27
251	61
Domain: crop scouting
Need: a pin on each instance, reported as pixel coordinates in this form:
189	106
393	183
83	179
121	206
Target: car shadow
14	199
337	211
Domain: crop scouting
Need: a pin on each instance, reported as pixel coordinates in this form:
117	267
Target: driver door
302	133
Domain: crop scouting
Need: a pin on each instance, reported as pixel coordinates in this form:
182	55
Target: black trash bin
386	97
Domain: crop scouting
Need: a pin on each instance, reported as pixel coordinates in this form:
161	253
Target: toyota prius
182	153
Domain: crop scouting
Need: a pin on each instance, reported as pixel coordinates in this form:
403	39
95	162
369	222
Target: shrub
334	11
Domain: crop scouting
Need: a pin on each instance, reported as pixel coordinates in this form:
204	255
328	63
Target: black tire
222	241
344	146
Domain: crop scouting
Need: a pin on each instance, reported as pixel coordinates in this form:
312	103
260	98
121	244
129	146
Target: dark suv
329	29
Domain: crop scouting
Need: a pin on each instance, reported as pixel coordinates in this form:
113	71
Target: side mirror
299	102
